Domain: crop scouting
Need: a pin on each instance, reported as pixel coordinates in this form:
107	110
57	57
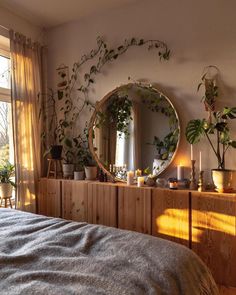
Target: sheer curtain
27	60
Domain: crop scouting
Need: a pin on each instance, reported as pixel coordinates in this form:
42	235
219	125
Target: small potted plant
218	127
7	171
85	162
68	159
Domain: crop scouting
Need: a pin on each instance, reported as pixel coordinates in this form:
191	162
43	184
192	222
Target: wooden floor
227	291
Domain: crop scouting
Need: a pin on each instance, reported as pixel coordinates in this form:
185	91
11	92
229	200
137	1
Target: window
6	135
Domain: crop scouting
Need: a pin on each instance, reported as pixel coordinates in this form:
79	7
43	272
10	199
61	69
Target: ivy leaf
141	42
68	142
93	69
60	94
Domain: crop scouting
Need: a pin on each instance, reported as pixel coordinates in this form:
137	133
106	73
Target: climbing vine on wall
75	98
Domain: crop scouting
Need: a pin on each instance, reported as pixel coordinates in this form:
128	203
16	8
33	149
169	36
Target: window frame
5	93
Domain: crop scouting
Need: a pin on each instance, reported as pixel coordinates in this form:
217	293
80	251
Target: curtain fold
27	60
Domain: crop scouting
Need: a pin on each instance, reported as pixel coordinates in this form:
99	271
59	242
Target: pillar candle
130	177
200	161
180	172
140	181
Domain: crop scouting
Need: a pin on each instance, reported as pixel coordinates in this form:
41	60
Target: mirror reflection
136	128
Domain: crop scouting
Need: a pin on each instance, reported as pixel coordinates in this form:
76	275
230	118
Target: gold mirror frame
98	106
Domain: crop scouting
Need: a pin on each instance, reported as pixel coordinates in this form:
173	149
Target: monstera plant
217	132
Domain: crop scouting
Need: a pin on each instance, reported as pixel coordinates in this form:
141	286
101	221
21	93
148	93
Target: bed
52	256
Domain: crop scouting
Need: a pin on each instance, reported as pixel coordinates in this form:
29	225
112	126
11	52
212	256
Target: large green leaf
194	130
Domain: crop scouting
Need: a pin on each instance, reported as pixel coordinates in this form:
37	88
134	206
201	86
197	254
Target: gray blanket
41	255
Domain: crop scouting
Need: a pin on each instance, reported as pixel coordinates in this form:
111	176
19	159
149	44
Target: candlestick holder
193	182
201	182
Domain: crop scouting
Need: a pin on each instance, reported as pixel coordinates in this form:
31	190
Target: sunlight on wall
174	223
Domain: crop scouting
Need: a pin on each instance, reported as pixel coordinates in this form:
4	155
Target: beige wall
12	21
198	32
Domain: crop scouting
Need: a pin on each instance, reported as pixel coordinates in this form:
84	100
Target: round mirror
134	127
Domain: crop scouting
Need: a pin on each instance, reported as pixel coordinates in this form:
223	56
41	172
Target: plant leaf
194	130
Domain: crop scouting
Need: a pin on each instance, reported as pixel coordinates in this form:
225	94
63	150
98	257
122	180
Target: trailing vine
79	86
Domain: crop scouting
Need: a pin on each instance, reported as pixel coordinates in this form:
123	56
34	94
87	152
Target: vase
68	170
78	175
223	180
90	172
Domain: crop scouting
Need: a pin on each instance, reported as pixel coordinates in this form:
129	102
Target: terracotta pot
90	172
78	175
5	190
223	180
68	170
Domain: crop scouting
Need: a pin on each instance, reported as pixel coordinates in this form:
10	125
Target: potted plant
217	128
7	171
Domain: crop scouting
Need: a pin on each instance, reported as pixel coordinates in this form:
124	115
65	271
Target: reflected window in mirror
135	127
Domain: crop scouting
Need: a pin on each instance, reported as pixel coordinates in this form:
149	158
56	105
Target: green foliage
7	171
78	90
166	146
119	113
82	153
218	127
194	130
211	91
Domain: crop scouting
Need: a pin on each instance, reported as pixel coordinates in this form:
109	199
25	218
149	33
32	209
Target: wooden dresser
204	222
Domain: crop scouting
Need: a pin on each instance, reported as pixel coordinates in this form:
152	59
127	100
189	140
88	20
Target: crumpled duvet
52	256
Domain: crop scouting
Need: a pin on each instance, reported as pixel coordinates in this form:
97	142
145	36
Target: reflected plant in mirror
135	126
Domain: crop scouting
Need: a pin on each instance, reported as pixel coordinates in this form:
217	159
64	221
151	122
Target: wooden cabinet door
170	215
74	200
213	234
134	209
102	204
49	198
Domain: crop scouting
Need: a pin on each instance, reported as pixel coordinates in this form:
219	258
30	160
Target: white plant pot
90	172
5	190
223	180
68	170
78	175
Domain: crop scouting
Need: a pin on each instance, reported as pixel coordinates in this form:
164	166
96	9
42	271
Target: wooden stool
54	168
6	199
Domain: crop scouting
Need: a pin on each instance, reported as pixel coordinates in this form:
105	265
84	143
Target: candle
138	173
191	152
180	172
140	181
200	161
173	184
130	177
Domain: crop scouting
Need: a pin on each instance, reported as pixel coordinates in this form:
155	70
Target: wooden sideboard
204	222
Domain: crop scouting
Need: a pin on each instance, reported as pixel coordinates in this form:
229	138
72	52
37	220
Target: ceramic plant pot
90	172
68	170
5	190
223	180
78	175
